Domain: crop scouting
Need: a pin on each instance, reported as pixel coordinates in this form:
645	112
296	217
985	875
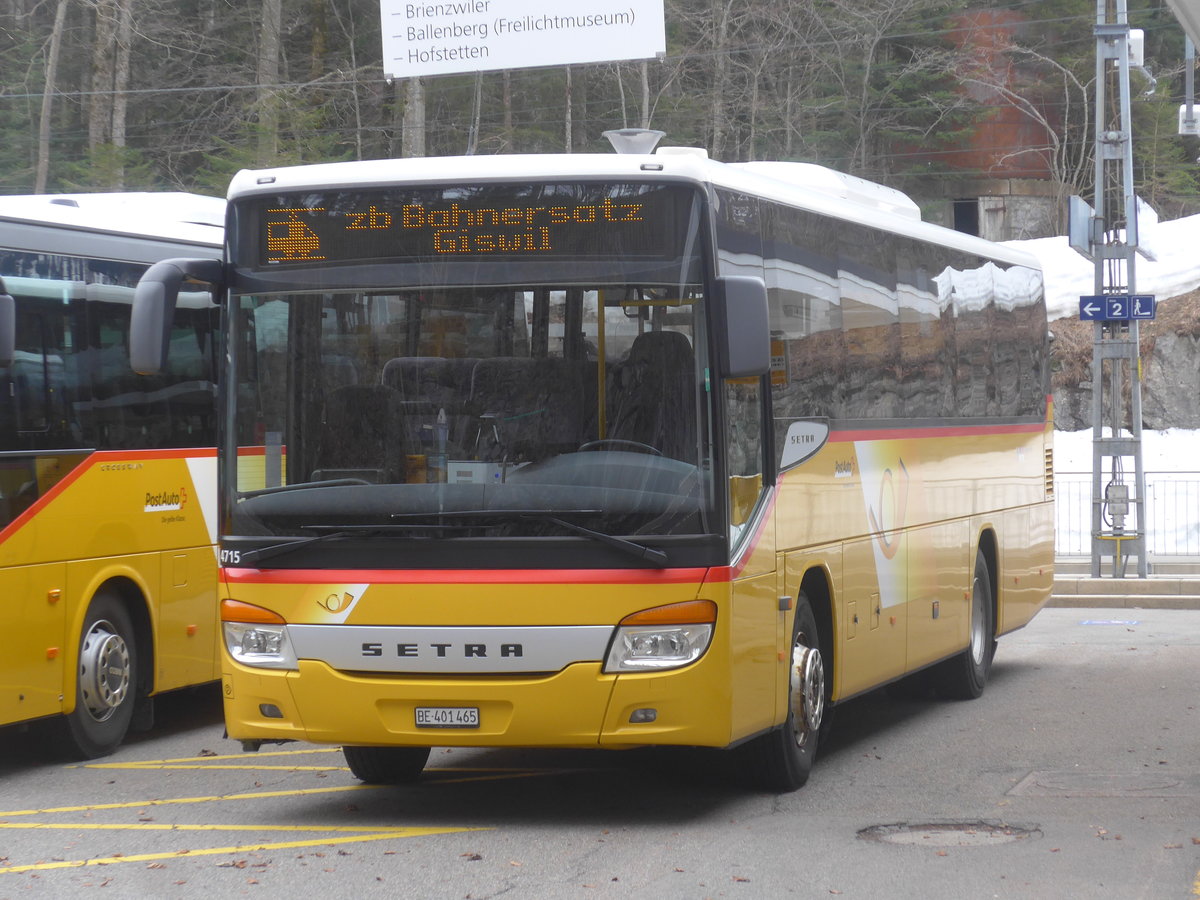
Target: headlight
256	637
665	637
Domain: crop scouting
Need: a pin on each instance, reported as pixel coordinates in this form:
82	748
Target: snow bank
1069	276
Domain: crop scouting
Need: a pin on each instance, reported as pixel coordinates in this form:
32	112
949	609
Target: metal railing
1172	514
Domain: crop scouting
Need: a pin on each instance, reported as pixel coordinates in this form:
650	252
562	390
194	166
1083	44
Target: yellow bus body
140	522
888	523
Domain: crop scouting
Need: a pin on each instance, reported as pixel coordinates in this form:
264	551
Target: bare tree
42	173
100	102
413	142
268	80
568	136
1048	84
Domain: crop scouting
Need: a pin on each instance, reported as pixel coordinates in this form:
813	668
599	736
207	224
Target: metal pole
1116	342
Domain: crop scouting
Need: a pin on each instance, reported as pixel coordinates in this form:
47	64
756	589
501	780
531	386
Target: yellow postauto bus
107	479
610	450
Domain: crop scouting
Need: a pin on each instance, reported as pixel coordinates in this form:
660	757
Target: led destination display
487	222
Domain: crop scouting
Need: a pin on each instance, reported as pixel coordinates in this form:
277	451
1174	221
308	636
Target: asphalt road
1076	775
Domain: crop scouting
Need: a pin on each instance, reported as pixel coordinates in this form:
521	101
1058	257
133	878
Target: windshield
476	407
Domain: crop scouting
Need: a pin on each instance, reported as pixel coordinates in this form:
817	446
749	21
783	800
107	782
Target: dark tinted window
70	378
871	325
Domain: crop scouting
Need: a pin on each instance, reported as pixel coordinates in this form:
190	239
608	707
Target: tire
963	677
105	681
386	765
782	759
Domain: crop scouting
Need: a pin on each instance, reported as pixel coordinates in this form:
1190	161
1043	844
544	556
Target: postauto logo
166	501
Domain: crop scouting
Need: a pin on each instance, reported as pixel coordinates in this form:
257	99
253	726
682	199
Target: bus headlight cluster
665	637
256	637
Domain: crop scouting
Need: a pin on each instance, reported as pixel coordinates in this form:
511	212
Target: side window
870	323
1034	341
740	227
743	452
32	375
926	334
739	234
807	367
43	372
968	291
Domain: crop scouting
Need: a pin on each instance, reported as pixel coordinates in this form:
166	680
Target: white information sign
426	38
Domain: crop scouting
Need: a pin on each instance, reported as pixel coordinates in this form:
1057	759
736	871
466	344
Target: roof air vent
634	140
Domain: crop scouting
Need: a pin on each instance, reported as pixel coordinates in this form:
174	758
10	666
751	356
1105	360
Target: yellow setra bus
107	481
611	451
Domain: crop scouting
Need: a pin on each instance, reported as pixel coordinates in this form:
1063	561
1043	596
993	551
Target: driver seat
655	395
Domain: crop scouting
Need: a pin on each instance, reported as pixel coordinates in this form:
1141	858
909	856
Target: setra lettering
372	649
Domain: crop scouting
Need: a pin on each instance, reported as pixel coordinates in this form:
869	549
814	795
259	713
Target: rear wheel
964	677
386	765
106	680
782	759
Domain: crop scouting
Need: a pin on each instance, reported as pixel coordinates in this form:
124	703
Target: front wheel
106	680
386	765
782	759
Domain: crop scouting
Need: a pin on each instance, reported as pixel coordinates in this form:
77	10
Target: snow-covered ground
1175	270
1172	480
1170	458
1174	450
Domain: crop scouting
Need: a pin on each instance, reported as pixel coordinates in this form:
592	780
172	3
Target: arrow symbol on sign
1091	309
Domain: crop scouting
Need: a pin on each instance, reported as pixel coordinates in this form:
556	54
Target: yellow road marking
216	763
469	774
153	767
393	834
241	757
351	833
165	826
256	795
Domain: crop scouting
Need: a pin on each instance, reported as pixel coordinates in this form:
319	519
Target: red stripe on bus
474	576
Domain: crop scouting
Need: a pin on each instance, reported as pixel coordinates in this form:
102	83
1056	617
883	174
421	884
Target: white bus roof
802	185
170	215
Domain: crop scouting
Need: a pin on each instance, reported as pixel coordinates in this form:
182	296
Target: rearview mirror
746	339
154	308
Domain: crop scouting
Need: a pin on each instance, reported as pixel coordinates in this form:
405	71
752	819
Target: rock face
1170	350
1171	383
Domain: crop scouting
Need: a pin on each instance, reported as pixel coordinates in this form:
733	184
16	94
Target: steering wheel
617	442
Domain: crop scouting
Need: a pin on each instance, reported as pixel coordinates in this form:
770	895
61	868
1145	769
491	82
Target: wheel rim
104	670
978	621
807	691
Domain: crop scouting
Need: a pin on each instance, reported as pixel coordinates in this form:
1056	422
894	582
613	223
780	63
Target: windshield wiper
258	554
656	558
495	513
302	485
